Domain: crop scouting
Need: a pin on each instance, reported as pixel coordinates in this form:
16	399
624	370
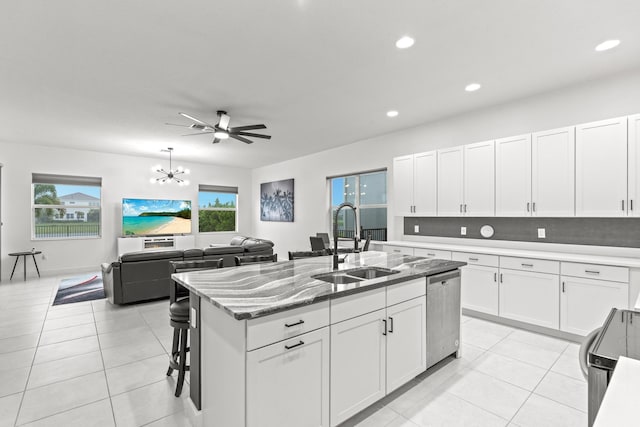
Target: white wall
122	177
596	100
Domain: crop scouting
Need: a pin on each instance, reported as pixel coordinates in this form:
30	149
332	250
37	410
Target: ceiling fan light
221	134
186	171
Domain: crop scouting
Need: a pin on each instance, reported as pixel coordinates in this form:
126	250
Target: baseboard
526	326
193	414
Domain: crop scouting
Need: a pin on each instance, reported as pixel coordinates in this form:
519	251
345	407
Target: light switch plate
463	231
542	233
416	228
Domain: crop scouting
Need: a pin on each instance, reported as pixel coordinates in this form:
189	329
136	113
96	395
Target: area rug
85	287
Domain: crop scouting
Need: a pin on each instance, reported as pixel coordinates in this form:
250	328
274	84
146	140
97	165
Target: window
51	197
367	191
218	208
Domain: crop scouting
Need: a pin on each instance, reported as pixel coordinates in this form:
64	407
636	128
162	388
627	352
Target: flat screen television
151	217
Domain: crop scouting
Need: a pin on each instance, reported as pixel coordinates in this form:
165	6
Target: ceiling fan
221	130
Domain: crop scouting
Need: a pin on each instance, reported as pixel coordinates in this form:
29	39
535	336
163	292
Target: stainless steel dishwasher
443	316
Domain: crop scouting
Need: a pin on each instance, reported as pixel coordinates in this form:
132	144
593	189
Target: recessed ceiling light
392	113
606	45
405	42
472	87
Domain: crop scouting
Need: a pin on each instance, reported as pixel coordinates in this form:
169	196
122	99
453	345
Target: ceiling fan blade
253	135
216	140
196	120
199	133
240	138
250	127
182	126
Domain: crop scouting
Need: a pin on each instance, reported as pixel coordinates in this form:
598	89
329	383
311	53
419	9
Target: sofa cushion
237	240
193	253
257	247
223	250
149	255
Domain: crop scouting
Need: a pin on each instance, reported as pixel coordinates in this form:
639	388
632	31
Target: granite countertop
252	291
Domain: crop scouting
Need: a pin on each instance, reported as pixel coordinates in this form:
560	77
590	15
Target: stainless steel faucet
336	261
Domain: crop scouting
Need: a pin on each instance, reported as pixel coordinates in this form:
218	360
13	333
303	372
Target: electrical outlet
542	233
416	228
463	231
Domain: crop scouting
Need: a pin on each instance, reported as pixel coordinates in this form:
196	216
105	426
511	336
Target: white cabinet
358	361
288	382
553	173
530	297
406	341
414	184
634	164
513	176
601	168
479	179
397	249
451	181
432	253
480	288
588	293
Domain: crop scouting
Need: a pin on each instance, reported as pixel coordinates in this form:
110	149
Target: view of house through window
218	207
65	206
368	193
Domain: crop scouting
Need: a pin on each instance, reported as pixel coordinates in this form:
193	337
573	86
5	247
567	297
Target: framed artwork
276	201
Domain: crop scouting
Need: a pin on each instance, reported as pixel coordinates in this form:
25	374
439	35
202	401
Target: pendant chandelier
170	175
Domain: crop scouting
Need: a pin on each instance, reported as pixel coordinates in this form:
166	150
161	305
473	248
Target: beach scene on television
144	217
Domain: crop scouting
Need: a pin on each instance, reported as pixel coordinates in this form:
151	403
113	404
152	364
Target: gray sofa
146	275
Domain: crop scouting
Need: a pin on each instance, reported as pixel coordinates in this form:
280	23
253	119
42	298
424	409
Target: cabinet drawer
281	326
432	253
476	259
405	291
397	250
595	271
530	264
357	304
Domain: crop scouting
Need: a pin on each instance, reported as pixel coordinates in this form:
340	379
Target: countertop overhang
257	290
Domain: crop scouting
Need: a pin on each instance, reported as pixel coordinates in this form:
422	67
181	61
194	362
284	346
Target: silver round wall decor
486	231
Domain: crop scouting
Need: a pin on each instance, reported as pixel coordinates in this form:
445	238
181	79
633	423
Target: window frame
59	179
219	189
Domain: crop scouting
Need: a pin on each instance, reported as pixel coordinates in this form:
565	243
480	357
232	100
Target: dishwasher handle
584	352
442	277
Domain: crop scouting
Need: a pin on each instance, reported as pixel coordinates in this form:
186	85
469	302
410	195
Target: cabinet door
585	303
634	165
513	176
450	181
425	177
288	382
480	288
403	185
530	297
553	173
406	341
601	168
479	179
358	360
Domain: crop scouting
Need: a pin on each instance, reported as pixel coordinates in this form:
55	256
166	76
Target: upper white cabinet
451	181
479	179
601	168
634	165
466	180
414	184
553	173
513	176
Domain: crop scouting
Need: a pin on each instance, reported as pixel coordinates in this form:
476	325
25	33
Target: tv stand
142	243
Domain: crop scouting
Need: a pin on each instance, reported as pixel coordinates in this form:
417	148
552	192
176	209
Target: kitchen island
277	344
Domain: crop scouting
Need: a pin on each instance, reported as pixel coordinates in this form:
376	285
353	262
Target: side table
24	256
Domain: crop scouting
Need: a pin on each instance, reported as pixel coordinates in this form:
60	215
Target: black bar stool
306	254
179	307
255	259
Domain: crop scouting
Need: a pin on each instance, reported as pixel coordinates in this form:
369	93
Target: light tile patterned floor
101	365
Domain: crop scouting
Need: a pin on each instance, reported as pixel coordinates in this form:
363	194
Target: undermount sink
371	272
338	278
353	276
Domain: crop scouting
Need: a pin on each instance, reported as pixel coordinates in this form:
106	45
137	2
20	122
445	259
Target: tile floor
94	364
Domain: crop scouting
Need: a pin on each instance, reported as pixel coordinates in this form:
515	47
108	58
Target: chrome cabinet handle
289	347
390	325
562	287
630	204
528	204
501	281
495	277
623	205
465	208
461	208
473	259
533	206
527	265
592	271
384	330
428	254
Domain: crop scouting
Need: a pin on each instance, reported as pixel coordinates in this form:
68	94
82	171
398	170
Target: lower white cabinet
585	303
530	297
480	288
358	361
288	382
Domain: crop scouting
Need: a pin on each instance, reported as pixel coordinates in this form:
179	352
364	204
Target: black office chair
255	259
306	254
179	316
317	244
